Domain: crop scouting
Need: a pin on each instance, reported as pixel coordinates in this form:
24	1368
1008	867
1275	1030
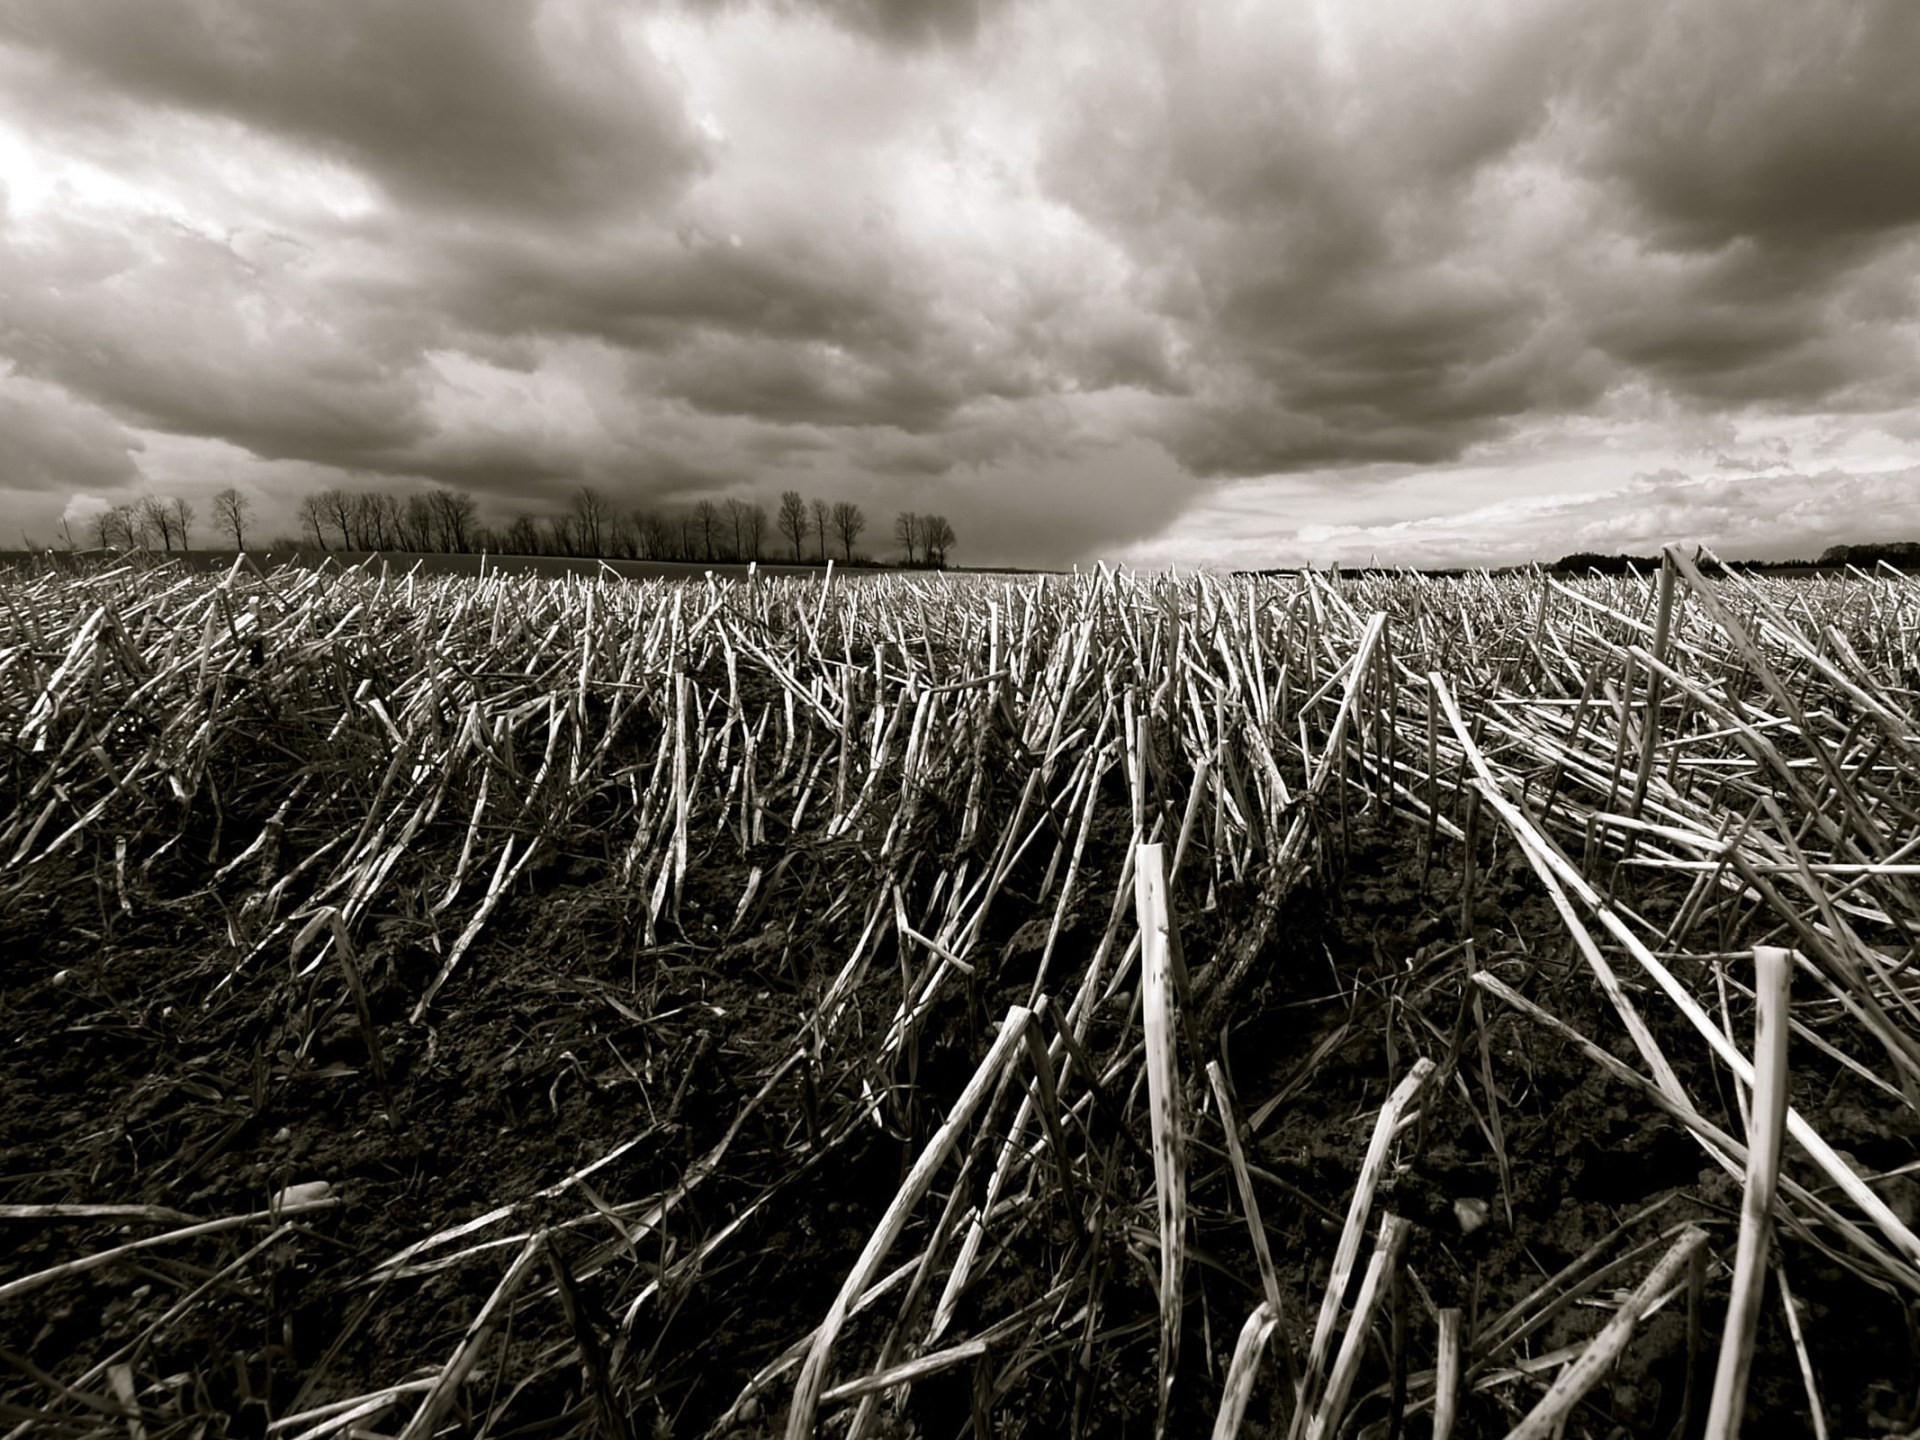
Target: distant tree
848	521
560	538
658	536
641	523
590	519
106	529
755	526
520	537
906	530
793	519
936	535
737	526
1901	554
415	525
156	519
312	521
335	508
1582	562
393	513
455	517
705	527
182	514
822	514
231	510
366	519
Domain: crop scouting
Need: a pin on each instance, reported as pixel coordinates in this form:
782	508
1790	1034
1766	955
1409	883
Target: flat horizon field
1278	1006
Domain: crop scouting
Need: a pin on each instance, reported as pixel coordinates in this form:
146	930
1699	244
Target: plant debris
1304	1006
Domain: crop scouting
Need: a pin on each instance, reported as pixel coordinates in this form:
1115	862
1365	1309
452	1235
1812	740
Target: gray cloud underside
1302	249
444	102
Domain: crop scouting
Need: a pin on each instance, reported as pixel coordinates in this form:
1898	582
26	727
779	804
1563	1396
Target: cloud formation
52	445
1065	272
511	107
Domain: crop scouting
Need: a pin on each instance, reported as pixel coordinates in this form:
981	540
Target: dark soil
134	1072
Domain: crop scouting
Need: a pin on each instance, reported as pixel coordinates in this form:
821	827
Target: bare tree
707	519
936	535
645	526
793	519
113	528
312	521
415	524
231	509
336	509
373	519
156	518
392	520
520	536
662	537
754	523
590	517
822	518
455	515
182	513
561	537
848	521
737	524
906	530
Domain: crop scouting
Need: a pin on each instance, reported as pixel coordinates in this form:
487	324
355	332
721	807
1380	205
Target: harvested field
936	1006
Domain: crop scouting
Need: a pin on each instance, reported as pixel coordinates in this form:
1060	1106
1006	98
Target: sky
1173	282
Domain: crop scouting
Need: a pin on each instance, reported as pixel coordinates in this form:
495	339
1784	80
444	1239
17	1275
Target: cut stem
1773	972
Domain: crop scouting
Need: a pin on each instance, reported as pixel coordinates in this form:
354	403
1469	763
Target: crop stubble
526	1006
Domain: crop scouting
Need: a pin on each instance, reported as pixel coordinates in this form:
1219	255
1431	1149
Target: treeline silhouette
1901	554
801	530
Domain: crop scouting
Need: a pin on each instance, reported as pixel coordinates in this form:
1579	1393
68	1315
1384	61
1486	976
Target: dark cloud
497	106
1792	123
915	22
908	24
1384	242
174	331
1767	167
1056	270
648	290
810	385
184	337
48	443
1305	230
1753	323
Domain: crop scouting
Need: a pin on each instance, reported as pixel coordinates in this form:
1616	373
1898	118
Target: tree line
447	519
1900	554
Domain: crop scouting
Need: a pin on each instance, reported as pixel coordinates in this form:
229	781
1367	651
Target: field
435	564
927	1006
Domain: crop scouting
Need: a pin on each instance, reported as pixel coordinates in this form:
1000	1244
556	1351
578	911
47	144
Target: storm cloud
1174	282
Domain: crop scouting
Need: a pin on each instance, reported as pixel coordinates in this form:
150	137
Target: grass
766	1006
